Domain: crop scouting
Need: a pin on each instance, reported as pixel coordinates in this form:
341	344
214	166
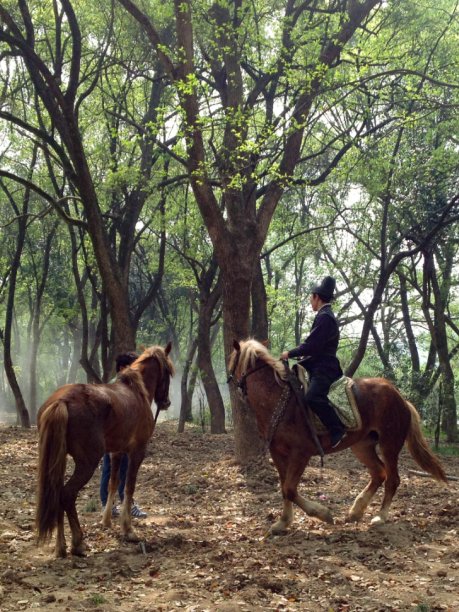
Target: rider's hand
284	355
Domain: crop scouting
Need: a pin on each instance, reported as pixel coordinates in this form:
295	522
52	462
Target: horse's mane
133	379
160	354
251	350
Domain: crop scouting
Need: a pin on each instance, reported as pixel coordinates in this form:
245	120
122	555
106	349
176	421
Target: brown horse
86	421
387	420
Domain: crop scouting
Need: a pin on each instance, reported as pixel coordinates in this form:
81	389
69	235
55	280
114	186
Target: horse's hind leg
366	453
390	452
84	469
60	548
115	461
135	459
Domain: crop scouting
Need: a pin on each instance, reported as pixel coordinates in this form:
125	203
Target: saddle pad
341	397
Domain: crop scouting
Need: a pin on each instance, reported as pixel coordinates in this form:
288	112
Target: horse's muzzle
164	405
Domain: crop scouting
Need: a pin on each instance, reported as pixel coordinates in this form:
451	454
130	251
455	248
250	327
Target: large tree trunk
237	280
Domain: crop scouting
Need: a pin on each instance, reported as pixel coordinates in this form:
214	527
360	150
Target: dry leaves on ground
202	545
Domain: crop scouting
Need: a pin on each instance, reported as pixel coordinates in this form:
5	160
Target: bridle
164	403
241	383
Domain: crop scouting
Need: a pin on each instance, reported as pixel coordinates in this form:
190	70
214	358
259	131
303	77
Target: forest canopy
186	170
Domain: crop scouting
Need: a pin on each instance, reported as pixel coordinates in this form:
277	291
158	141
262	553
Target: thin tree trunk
36	325
260	323
209	380
186	396
440	338
21	409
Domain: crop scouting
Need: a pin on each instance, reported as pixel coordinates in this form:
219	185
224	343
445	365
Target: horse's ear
167	350
236	345
265	342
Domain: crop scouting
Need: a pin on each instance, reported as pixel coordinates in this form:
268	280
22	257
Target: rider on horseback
318	356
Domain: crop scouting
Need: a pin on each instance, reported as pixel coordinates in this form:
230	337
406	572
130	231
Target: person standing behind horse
122	361
318	355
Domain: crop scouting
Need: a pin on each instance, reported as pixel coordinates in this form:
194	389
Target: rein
277	415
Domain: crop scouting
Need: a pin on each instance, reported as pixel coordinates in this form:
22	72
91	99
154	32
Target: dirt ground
203	547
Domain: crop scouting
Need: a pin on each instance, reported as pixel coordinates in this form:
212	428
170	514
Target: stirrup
342	437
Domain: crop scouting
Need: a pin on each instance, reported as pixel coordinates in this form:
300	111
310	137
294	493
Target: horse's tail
52	457
419	448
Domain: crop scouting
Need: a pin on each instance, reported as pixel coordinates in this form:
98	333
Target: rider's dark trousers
316	398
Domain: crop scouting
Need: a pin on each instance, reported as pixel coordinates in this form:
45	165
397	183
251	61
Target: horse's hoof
106	523
352	518
131	537
78	551
376	521
61	554
325	516
276	530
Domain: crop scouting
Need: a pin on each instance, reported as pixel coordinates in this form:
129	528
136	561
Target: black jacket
318	351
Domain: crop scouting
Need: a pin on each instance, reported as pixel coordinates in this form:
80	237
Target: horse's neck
150	378
264	393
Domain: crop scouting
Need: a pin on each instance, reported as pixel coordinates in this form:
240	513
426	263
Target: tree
52	50
246	81
6	334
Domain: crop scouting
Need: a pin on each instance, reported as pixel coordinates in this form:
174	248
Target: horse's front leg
135	459
290	470
285	520
313	508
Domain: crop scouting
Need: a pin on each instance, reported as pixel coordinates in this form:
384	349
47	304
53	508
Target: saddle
340	396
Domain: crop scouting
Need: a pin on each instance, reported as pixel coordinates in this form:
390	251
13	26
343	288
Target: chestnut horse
388	420
85	421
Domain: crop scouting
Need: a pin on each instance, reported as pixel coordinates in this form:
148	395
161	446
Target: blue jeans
105	477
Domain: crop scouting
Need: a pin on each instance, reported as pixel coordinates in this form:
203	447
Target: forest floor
203	546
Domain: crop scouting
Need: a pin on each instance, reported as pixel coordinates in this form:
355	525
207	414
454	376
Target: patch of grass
191	489
97	599
91	506
445	449
448	450
422	607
